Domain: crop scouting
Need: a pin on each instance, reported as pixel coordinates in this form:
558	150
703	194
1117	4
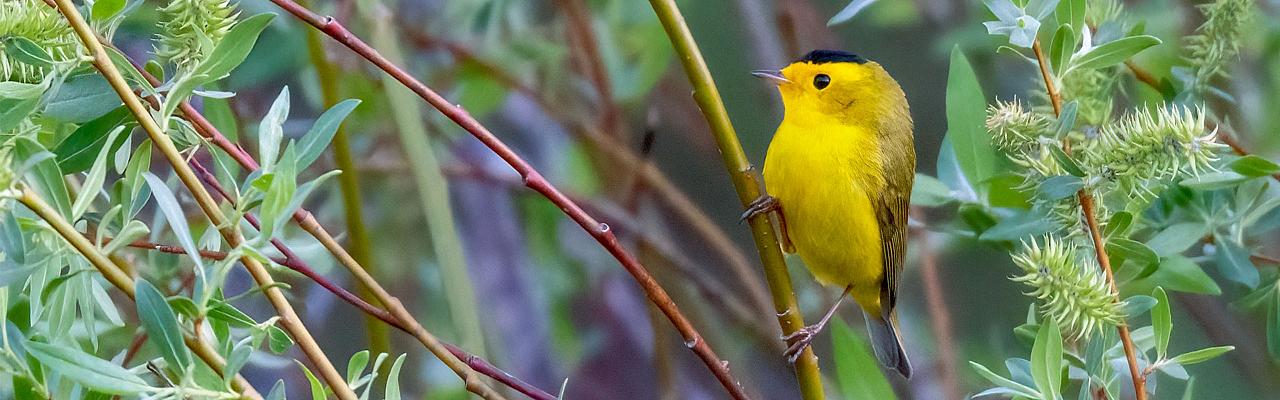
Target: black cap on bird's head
815	57
831	56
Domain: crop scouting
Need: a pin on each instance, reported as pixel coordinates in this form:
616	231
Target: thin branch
1142	75
1095	233
584	38
939	313
122	281
288	317
744	180
666	191
348	183
534	180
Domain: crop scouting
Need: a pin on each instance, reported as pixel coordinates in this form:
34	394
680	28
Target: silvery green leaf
85	369
1202	355
174	214
849	11
1161	321
161	324
1004	10
94	180
82	98
1024	31
1174	369
214	94
321	133
131	231
1000	381
1041	8
392	391
271	130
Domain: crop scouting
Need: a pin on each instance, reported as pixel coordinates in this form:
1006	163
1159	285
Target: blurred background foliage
550	307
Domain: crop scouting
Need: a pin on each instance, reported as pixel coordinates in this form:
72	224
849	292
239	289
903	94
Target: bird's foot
799	340
761	205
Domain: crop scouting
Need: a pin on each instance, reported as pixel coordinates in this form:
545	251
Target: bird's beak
774	76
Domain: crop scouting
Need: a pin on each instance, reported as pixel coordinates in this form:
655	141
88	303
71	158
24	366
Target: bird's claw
763	204
798	341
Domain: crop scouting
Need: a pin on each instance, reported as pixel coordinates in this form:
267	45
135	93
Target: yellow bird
840	169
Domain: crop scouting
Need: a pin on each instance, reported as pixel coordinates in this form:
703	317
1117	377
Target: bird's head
835	84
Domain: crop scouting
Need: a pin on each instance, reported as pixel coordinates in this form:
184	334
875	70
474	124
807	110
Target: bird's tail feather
887	344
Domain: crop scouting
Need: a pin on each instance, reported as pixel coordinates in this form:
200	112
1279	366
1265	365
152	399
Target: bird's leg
765	204
803	337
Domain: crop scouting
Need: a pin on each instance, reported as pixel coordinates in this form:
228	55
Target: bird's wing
891	213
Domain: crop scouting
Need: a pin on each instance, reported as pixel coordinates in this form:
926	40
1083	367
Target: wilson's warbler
840	169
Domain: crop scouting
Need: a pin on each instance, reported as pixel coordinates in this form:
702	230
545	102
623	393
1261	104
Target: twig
939	314
1095	233
534	180
740	172
348	183
122	281
1142	75
288	317
583	36
666	191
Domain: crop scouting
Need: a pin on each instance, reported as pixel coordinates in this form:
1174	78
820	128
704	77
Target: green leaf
105	9
1046	360
1071	12
1177	238
317	388
174	214
1115	52
928	191
1062	46
46	178
26	51
87	370
393	381
94	180
317	139
271	130
1118	224
1177	273
234	47
1201	355
1022	225
1066	122
1123	251
77	152
1254	166
1059	187
1214	180
966	115
357	364
162	326
277	391
18	100
1234	264
1066	162
82	98
849	11
278	340
857	370
1020	389
1161	322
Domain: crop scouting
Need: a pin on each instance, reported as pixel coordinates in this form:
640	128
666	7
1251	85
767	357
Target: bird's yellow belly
833	226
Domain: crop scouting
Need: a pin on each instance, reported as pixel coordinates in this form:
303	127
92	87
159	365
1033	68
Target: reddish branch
534	180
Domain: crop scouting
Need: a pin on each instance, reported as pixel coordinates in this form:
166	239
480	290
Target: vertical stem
583	36
1095	233
349	184
122	281
288	317
939	314
741	173
433	188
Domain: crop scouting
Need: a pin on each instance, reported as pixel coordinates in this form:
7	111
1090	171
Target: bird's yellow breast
825	174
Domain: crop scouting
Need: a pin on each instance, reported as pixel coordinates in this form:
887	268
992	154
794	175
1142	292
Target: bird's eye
821	81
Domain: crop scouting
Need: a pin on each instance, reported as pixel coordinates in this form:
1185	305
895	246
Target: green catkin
1069	291
35	21
1139	151
191	29
1217	41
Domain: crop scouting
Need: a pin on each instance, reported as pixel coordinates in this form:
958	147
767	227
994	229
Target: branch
748	188
534	180
583	36
121	280
1095	233
619	153
348	182
288	317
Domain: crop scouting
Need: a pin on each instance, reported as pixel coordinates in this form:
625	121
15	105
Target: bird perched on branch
840	169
